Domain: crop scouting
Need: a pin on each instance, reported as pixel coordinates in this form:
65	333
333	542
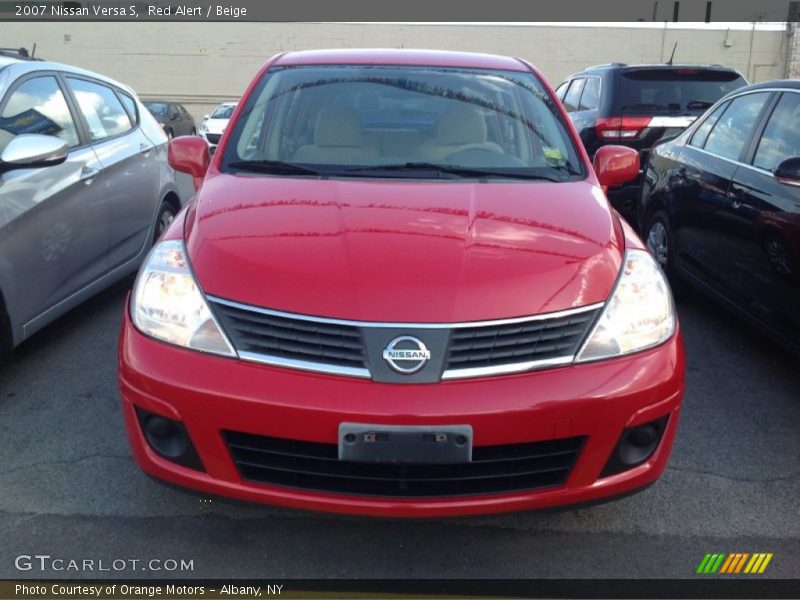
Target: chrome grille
538	340
259	333
338	346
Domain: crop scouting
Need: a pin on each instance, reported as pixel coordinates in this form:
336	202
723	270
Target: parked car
85	188
721	206
174	119
214	125
637	105
401	291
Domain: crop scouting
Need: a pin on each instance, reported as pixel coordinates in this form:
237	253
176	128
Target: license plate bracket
417	444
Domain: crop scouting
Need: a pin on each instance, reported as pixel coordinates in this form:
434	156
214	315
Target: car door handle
88	174
737	197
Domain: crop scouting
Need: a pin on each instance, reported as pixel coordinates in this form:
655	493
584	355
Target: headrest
338	126
461	123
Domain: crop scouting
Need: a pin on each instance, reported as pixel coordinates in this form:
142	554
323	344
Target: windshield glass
157	109
391	121
223	111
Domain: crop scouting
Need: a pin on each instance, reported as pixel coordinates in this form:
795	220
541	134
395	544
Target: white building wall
201	64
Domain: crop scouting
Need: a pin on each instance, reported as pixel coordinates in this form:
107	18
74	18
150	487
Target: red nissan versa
401	291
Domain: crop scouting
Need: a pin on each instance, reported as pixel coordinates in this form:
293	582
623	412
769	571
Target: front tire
166	214
660	242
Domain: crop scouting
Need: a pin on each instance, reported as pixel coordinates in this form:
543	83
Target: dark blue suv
637	105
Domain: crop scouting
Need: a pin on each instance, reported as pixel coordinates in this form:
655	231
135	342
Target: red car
401	291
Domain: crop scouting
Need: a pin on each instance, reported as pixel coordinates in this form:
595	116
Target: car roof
626	67
8	60
788	84
426	58
16	68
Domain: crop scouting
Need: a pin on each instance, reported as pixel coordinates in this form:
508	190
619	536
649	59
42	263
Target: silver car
85	188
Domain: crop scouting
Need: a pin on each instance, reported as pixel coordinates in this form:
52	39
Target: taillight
621	128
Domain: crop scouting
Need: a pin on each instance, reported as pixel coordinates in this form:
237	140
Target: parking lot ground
69	488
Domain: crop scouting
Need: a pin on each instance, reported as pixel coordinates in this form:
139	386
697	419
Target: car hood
403	251
216	125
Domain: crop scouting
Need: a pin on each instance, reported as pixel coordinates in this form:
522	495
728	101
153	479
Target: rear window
345	120
675	90
157	109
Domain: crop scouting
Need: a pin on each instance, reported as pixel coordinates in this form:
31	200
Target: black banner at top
461	11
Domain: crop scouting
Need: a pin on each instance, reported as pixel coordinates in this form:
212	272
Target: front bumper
210	395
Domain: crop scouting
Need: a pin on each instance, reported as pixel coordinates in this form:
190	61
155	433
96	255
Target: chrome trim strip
461	325
507	369
304	365
732	161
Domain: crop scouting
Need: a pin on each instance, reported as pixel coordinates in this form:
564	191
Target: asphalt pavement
70	489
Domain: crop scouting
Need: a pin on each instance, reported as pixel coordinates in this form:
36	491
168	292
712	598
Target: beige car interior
339	137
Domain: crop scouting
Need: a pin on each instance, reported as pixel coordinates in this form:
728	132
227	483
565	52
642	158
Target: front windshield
391	121
224	111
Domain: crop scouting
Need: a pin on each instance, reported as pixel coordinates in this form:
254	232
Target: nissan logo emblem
406	354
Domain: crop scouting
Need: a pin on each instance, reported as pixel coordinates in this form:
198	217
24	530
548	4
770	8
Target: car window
223	111
733	128
781	138
561	90
573	95
38	106
101	108
130	106
700	134
348	117
590	99
157	109
674	89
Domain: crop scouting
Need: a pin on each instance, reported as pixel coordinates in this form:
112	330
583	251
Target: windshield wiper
448	170
276	167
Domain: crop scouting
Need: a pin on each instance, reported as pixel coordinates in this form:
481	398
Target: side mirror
615	165
788	172
189	154
29	151
205	117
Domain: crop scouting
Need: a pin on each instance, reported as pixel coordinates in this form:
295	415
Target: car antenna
673	54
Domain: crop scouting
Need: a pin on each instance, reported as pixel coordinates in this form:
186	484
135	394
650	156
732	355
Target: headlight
168	305
203	128
639	315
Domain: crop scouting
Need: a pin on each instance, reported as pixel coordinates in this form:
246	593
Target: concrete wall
793	68
202	64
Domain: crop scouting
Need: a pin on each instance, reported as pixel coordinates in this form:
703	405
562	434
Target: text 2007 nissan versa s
401	291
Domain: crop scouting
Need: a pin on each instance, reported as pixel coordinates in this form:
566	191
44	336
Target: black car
721	206
637	105
173	117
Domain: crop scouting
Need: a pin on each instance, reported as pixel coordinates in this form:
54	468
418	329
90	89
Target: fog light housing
635	446
169	439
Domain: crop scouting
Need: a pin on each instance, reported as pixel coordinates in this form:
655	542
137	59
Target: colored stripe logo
734	563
